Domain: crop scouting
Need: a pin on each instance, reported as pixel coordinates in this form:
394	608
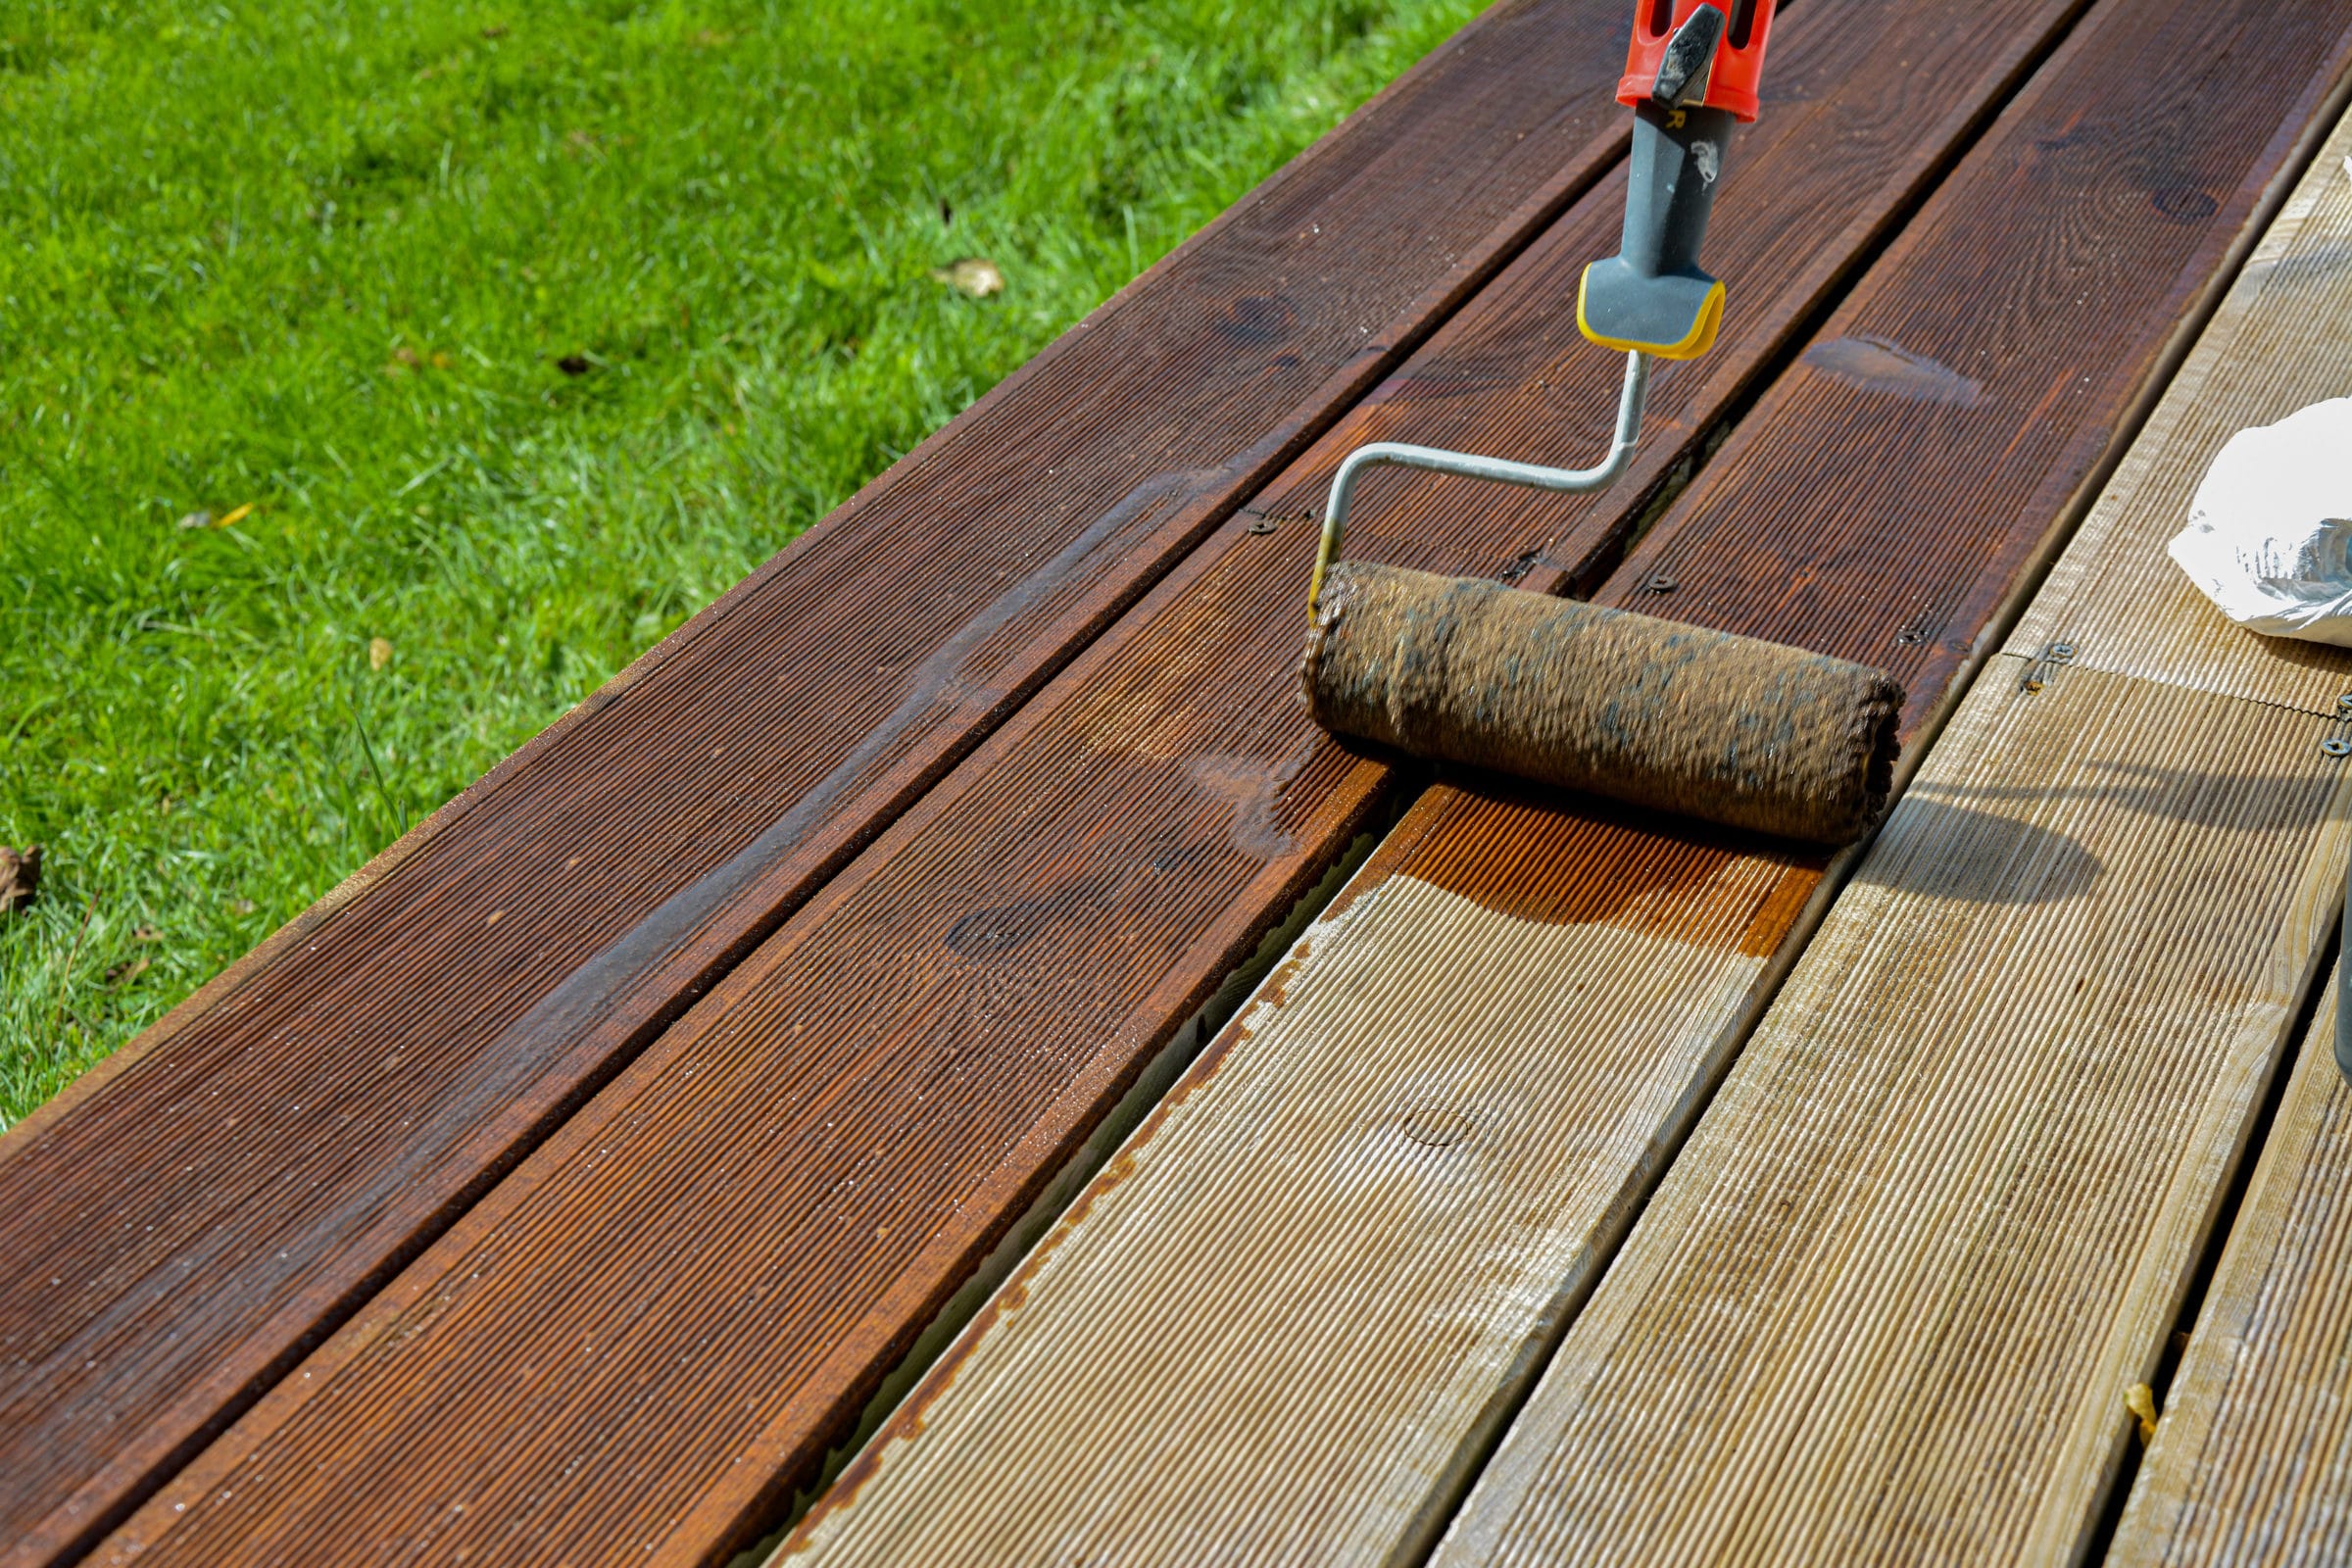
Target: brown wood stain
1043	1441
694	1250
187	1220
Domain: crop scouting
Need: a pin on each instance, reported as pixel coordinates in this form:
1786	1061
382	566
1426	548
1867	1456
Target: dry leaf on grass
19	876
974	276
234	517
379	652
122	974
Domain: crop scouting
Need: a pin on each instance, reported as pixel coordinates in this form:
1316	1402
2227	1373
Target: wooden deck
1580	1184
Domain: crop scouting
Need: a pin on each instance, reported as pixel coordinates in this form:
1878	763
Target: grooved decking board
651	1329
1943	1214
1885	1302
192	1215
1276	1328
2282	339
1284	1324
2002	434
2252	1459
2250	1462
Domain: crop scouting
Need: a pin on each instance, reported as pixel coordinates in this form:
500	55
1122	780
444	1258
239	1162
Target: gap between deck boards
2007	613
287	1251
1162	599
1916	175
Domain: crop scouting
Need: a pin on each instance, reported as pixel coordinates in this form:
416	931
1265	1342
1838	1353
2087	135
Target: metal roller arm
1473	466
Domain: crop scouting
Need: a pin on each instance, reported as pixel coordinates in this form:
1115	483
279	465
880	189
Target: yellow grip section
1699	339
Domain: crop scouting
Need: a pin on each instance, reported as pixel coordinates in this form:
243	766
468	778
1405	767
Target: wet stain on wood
1876	365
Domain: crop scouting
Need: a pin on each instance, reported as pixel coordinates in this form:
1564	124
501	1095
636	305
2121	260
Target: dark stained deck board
1967	485
229	1187
651	1330
1864	508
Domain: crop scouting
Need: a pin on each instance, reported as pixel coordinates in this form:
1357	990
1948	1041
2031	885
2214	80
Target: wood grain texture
652	1328
1886	1304
2250	1463
189	1218
1283	1327
1946	389
1943	1214
2252	1459
2280	340
1277	1327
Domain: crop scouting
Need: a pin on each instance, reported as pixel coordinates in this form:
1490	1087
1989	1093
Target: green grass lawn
377	379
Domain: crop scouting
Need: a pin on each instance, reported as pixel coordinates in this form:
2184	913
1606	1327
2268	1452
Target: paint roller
1655	712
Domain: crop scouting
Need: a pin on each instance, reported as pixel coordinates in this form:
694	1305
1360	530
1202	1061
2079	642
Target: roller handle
1687	54
1691	76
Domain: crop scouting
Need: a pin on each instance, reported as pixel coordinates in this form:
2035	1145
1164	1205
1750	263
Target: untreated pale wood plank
1284	1324
2282	339
1887	1300
2249	1463
184	1222
780	1193
1281	1324
2252	1458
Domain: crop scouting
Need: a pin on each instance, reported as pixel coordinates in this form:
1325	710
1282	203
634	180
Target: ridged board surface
1282	1326
647	1333
1272	1329
2000	429
1886	1301
2282	339
2252	1458
191	1216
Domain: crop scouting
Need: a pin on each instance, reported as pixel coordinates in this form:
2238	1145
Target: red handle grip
1738	62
